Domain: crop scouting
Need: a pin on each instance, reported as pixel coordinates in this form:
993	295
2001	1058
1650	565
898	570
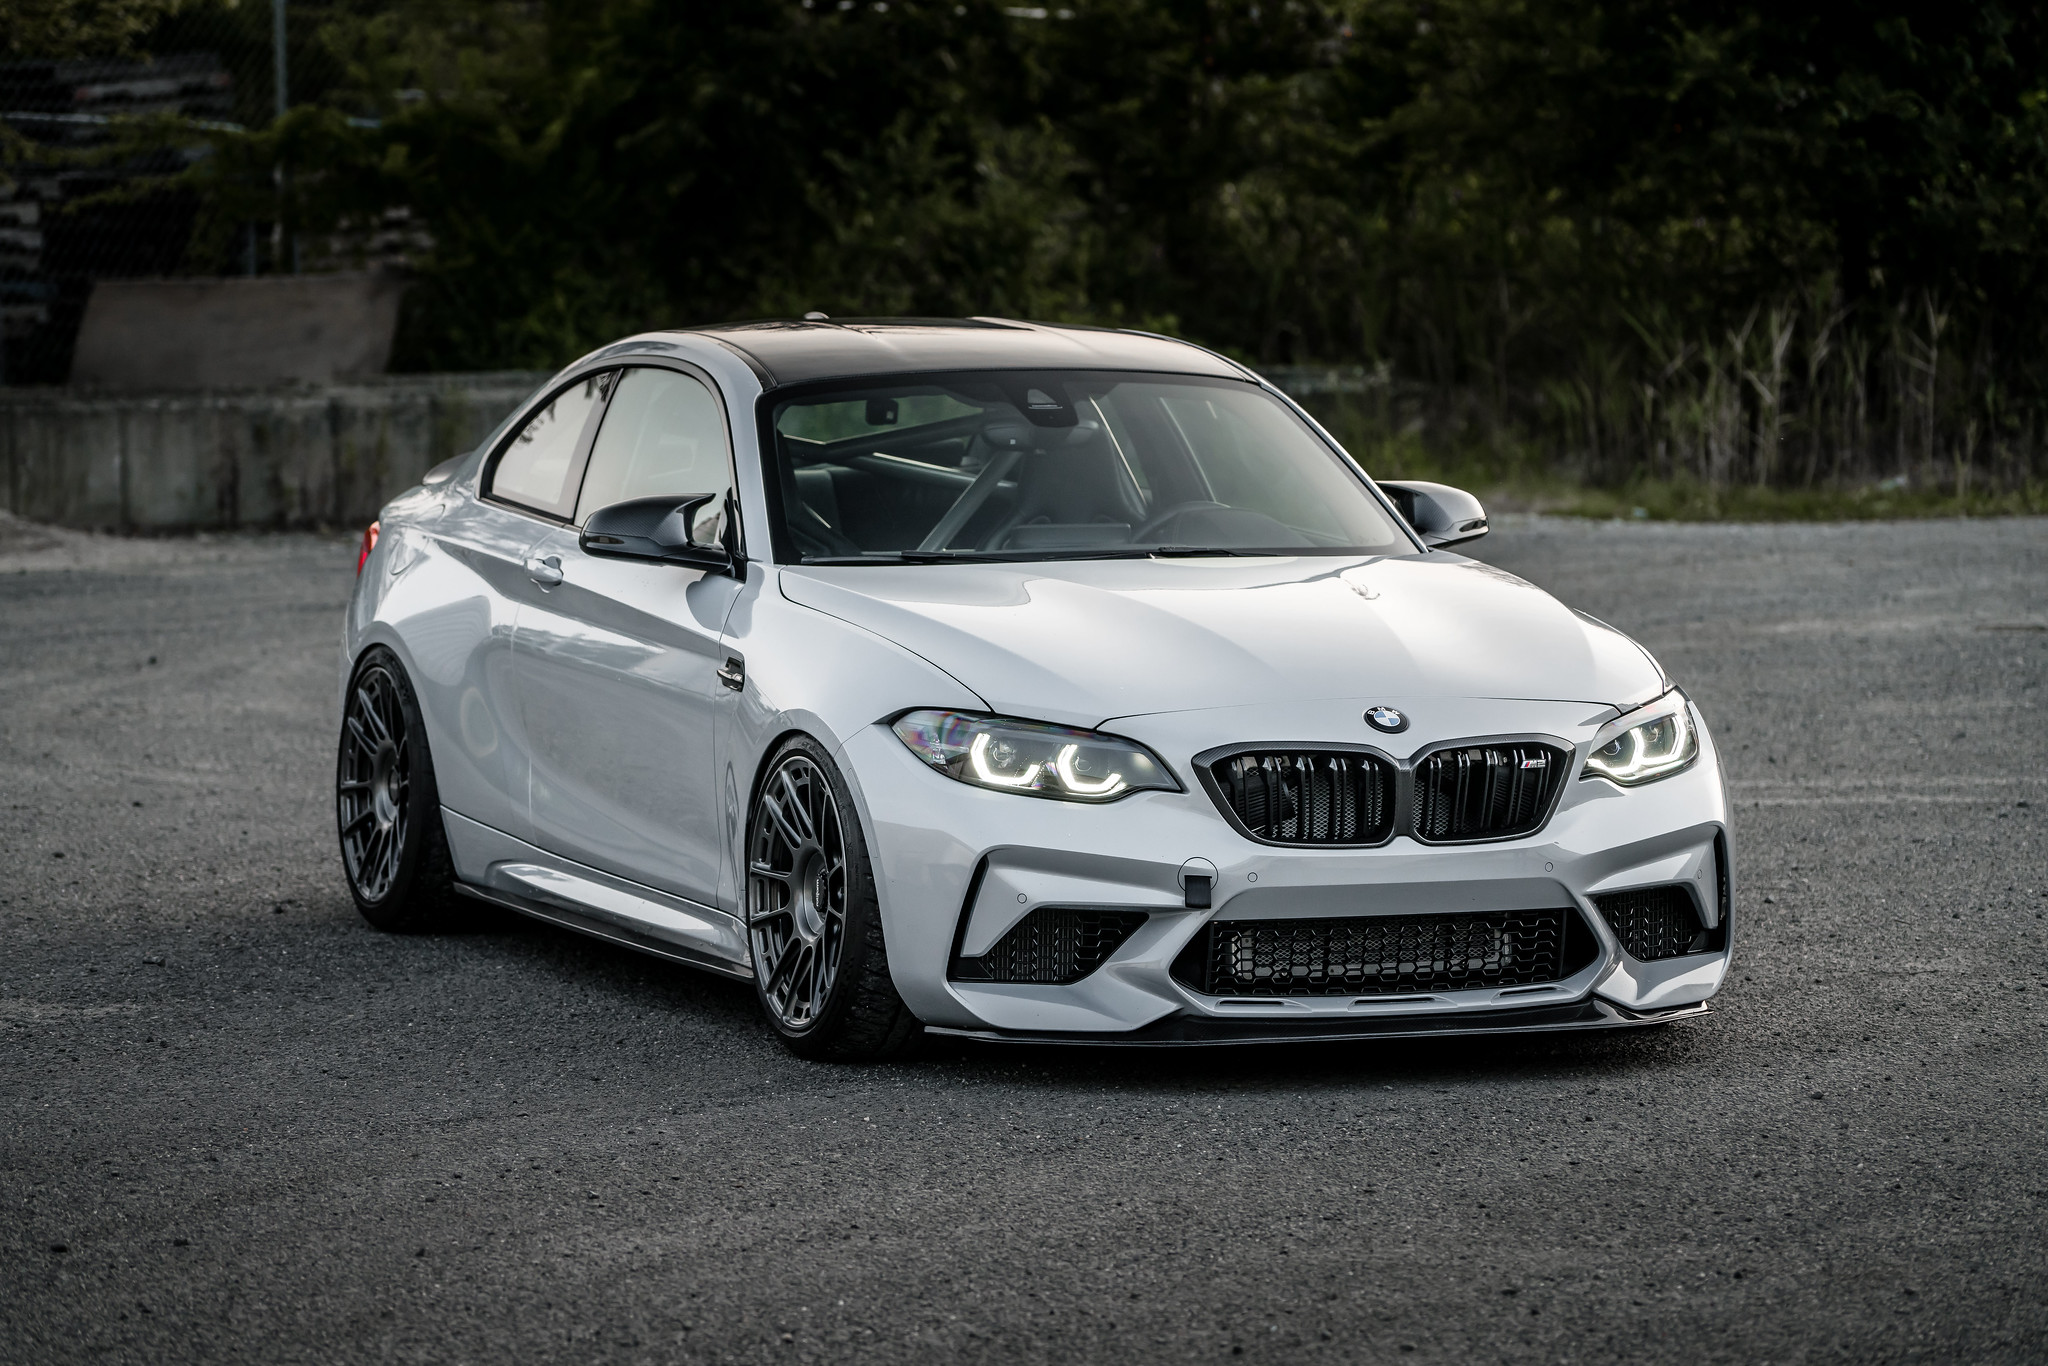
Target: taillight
369	544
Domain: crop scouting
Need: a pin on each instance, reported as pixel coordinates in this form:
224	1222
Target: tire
821	969
394	848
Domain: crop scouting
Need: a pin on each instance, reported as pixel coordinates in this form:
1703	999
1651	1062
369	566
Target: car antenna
814	316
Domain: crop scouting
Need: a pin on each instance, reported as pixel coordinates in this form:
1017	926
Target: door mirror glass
1442	515
687	530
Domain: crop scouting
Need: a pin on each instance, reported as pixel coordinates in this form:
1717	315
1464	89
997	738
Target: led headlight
1647	744
1031	757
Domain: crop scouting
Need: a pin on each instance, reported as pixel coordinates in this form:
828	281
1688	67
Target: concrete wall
214	333
264	458
222	459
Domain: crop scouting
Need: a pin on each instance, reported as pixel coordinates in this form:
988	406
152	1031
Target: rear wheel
821	969
388	811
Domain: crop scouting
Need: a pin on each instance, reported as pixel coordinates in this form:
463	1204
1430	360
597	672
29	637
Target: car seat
1072	490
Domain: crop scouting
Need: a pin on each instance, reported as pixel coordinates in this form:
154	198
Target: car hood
1081	642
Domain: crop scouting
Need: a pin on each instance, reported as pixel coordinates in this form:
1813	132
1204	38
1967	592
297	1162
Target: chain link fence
96	129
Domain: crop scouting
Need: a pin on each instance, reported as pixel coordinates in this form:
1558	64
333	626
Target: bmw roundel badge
1386	719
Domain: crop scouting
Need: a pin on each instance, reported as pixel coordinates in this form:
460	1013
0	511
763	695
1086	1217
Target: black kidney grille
1482	792
1376	955
1308	796
1052	945
1657	922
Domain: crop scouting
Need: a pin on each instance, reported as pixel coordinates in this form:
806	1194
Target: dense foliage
1721	239
71	28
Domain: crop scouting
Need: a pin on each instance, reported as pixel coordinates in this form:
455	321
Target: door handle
545	572
733	673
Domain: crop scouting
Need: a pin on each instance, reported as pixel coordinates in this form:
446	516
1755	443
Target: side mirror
1443	515
658	529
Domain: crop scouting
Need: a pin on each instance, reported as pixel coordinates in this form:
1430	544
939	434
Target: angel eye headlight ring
1649	743
1005	754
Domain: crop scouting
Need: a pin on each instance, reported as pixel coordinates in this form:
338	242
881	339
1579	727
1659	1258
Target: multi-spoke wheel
797	891
385	804
820	966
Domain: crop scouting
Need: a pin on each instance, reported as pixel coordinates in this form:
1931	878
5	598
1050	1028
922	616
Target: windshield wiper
1104	552
908	557
1189	551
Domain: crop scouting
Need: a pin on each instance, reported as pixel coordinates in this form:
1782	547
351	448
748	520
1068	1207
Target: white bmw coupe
1020	682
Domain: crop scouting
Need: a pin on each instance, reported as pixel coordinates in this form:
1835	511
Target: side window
663	435
535	469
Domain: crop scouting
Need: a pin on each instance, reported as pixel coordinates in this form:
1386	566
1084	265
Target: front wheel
821	970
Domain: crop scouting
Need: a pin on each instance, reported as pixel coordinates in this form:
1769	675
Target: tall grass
1802	393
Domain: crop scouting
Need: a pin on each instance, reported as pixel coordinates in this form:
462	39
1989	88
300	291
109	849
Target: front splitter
1195	1031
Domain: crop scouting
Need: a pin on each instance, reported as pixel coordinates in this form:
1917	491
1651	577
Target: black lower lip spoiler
1195	1031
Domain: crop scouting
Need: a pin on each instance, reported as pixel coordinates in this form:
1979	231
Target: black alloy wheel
386	807
821	970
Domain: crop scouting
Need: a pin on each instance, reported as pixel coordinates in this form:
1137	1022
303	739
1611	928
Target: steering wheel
1150	530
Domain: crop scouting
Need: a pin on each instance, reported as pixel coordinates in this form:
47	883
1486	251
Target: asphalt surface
236	1124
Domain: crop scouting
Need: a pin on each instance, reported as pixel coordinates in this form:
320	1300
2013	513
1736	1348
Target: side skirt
609	931
507	871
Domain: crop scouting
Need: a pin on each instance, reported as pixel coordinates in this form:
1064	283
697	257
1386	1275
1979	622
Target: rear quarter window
537	468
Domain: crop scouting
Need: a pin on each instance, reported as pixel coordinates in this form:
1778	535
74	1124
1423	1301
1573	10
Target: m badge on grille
1386	719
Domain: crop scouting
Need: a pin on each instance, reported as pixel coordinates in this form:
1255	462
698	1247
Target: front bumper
959	866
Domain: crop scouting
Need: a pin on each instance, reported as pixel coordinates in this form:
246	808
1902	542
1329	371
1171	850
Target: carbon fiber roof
792	352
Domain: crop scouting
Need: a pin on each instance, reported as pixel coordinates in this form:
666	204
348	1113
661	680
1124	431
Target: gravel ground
236	1124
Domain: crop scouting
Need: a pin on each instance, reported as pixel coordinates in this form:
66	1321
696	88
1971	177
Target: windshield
1017	466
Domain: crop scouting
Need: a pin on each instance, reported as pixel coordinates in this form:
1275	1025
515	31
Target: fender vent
1313	797
1486	792
1052	946
1658	922
1381	955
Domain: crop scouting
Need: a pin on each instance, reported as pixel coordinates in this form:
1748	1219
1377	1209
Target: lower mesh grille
1381	955
1486	792
1052	945
1657	922
1307	796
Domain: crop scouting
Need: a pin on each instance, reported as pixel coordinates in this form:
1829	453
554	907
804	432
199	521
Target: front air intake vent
1311	797
1384	955
1658	922
1052	946
1493	791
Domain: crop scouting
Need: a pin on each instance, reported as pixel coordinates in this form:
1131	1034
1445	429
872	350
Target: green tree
78	28
1711	235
